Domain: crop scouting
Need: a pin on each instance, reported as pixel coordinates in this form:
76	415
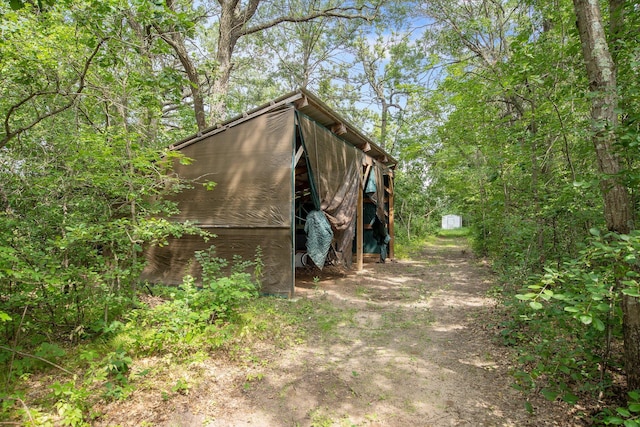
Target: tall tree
308	52
238	19
392	74
235	22
81	177
600	70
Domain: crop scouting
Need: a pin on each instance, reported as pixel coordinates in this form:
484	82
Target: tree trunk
617	209
384	115
221	83
192	75
174	38
226	44
232	26
631	327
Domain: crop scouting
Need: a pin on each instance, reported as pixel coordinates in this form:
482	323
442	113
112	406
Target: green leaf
631	423
586	319
549	394
631	292
4	317
634	407
535	305
528	407
16	4
623	411
595	232
209	185
570	398
571	309
598	324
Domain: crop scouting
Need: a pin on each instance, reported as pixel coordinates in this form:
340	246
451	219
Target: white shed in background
450	222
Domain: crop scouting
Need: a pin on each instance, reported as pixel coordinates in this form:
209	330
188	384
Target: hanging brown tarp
375	187
336	168
250	206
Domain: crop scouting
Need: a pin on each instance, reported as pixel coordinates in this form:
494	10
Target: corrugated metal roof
310	105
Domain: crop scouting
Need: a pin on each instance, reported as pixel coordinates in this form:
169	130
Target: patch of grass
412	249
319	419
372	417
361	291
317	314
456	232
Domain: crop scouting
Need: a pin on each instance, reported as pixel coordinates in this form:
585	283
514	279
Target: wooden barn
292	177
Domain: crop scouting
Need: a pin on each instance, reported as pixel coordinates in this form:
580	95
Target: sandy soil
417	349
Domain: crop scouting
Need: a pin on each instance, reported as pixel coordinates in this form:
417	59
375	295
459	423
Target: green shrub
196	316
569	317
224	295
629	415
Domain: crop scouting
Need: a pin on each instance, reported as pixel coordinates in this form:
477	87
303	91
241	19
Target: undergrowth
187	320
566	327
177	326
454	232
408	249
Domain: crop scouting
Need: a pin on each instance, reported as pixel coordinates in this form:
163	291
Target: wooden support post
364	178
391	218
298	156
360	227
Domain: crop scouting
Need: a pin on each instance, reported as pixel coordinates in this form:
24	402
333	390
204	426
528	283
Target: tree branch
10	134
33	356
177	44
334	12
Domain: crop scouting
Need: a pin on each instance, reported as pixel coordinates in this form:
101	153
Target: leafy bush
572	315
629	416
223	295
196	316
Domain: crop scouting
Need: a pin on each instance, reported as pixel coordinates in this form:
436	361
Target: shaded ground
409	345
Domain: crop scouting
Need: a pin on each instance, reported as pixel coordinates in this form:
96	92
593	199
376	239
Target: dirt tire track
417	352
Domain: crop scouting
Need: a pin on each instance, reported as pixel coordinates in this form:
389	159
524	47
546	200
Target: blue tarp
371	183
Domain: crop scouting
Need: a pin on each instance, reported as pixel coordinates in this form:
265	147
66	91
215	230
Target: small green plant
318	419
116	366
581	299
628	416
71	403
181	387
224	295
193	317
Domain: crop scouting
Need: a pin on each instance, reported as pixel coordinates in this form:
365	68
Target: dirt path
411	348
